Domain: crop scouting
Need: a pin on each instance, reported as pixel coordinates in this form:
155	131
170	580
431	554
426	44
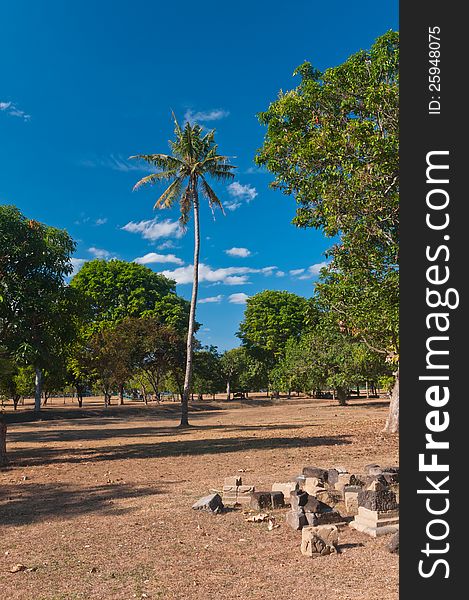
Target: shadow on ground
22	504
43	455
95	431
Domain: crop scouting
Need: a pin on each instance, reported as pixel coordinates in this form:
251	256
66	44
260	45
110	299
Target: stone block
357	480
373	469
277	499
316	541
244	494
230	494
329	533
296	519
317	472
261	500
298	498
333	475
343	479
233	481
300	481
395	488
286	489
375	523
212	503
312	485
391	474
380	500
329	497
326	518
351	502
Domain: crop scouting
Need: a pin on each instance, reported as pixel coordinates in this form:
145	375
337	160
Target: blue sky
85	85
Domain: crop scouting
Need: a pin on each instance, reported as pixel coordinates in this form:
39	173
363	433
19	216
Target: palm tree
194	157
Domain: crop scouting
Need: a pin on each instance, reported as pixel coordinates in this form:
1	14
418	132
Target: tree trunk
342	396
15	401
228	390
38	390
3	444
121	394
392	422
367	389
190	332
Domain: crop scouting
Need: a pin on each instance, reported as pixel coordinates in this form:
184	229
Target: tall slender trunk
190	332
121	394
38	390
228	390
392	422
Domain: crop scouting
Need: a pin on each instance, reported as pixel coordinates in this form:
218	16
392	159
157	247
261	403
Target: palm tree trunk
190	332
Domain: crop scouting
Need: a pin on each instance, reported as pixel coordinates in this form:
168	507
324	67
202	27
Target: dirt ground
99	507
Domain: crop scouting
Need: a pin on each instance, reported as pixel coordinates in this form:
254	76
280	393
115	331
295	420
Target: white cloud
11	109
77	264
154	229
152	257
241	252
99	252
231	205
239	298
296	272
211	300
242	192
280	274
227	275
169	244
101	221
205	115
236	280
313	270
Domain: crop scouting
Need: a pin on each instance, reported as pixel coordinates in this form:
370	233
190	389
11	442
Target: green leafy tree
271	318
194	158
208	373
35	303
332	143
243	372
116	289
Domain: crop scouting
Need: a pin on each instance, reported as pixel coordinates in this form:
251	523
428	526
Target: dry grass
100	507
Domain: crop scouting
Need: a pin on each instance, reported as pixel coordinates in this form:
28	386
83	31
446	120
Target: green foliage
194	157
271	318
327	358
116	289
333	143
208	373
242	371
36	306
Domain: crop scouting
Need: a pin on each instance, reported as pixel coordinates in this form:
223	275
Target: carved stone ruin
319	541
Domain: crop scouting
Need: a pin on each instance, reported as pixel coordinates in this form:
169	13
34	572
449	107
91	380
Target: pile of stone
371	498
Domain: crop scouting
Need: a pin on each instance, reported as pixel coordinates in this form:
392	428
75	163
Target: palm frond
170	194
212	198
162	161
154	178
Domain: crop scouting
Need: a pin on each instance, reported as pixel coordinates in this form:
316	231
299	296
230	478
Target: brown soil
100	507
